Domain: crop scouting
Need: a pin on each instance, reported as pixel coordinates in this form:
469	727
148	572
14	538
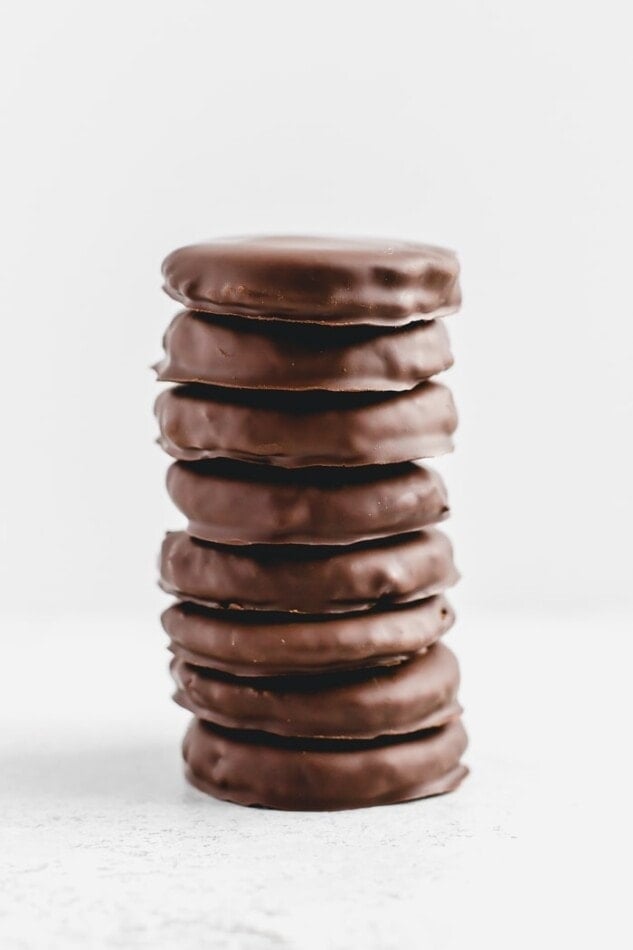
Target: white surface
499	128
102	845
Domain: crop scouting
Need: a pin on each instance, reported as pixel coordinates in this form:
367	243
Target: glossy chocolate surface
239	503
239	353
263	644
418	694
308	579
315	279
259	769
306	429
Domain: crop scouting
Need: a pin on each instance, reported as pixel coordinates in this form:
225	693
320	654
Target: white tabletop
103	845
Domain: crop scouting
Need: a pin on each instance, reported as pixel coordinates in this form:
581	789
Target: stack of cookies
310	580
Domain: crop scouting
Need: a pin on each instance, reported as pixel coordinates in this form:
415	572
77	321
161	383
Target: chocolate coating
308	579
419	694
239	503
257	644
258	769
229	351
306	429
315	280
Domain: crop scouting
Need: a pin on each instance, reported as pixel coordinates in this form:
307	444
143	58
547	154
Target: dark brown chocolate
240	503
305	639
419	694
308	579
306	429
258	644
260	769
315	280
229	351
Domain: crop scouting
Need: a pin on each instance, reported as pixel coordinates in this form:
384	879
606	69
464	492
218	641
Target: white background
499	128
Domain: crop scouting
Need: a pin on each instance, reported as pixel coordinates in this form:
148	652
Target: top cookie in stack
304	404
330	281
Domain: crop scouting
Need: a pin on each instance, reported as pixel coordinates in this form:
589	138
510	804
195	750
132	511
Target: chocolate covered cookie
306	429
418	694
313	774
229	351
315	279
239	503
308	579
255	644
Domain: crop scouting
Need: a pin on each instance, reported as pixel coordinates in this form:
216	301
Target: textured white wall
498	128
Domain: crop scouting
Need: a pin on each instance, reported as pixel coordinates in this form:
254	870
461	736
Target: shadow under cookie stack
306	636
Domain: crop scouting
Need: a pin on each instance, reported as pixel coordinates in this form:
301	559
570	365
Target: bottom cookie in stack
257	768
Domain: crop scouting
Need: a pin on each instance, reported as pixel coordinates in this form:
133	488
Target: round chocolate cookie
306	429
229	351
308	579
319	775
315	280
257	644
419	694
241	503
